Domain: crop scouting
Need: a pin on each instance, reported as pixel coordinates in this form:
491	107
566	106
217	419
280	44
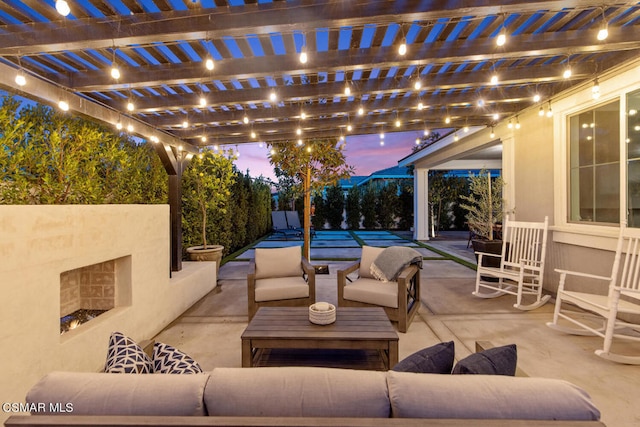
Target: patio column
421	204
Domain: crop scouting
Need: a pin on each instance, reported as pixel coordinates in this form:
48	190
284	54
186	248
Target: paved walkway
210	330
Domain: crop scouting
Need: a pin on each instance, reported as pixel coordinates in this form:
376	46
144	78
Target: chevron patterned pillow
170	360
124	356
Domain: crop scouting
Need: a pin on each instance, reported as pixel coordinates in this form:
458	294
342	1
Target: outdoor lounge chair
279	222
620	297
400	299
293	221
280	277
521	269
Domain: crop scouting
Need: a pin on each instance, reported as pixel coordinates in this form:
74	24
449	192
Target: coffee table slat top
293	322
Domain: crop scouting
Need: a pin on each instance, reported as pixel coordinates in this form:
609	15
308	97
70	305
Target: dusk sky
363	152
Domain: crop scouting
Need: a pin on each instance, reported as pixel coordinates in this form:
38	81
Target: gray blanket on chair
391	261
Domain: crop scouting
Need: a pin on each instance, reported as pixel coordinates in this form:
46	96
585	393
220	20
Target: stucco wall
38	243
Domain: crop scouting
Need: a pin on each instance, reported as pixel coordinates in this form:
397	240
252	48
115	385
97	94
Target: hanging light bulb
403	46
185	124
456	137
299	142
480	102
303	55
272	151
603	33
426	132
63	105
129	128
381	135
447	119
492	134
549	111
298	131
398	123
417	141
360	111
595	90
303	115
510	124
63	7
536	98
517	123
502	37
272	96
130	105
349	128
203	138
203	101
115	71
541	111
347	89
496	116
245	119
20	79
308	149
567	72
209	64
417	85
420	106
494	79
465	129
119	125
260	144
253	135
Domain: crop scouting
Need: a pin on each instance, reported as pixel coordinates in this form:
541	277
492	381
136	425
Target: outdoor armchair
280	277
399	298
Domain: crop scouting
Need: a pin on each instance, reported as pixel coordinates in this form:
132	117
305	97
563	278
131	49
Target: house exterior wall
40	242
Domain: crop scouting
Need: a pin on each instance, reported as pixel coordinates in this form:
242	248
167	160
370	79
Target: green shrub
352	208
335	206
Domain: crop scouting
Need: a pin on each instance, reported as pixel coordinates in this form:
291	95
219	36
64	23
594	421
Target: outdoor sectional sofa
305	396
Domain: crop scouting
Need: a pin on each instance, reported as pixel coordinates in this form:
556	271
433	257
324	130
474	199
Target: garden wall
40	242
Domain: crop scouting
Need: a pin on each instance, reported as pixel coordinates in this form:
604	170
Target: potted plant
206	187
484	211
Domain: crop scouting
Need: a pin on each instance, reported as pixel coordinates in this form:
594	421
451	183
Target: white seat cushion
278	262
277	288
372	291
369	254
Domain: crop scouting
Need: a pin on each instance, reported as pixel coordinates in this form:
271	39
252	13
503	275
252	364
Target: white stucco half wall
37	243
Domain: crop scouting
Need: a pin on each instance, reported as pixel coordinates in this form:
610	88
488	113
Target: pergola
356	79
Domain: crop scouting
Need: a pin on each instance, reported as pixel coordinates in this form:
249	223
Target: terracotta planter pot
211	253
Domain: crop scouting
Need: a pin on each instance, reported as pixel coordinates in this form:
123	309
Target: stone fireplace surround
39	243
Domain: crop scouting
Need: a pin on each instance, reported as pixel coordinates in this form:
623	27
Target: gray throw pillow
437	359
494	361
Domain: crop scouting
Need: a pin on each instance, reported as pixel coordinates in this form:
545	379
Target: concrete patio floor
210	330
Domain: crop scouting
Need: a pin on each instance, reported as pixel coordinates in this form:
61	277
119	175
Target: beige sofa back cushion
369	254
487	397
278	262
297	392
121	394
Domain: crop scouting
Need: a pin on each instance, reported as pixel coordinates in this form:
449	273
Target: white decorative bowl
322	313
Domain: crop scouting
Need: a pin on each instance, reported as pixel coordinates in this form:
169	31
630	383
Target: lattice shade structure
252	48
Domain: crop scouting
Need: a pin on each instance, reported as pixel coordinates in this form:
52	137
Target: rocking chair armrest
489	254
580	274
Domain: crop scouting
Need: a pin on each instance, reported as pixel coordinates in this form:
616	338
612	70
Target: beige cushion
369	254
297	392
278	288
487	397
118	394
278	262
372	291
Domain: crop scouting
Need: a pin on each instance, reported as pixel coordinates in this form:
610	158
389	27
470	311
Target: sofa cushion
487	397
372	291
369	254
169	360
278	262
297	392
107	394
281	288
125	356
437	359
493	361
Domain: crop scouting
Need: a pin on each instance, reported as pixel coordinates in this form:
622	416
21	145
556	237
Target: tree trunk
306	247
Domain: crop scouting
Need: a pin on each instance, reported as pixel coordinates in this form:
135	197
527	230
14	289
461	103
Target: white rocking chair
623	297
521	269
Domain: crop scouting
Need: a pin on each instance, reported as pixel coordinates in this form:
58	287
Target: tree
335	206
319	211
314	165
387	205
353	208
369	217
405	207
484	203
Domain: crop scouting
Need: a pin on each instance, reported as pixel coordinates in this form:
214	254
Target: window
594	176
633	158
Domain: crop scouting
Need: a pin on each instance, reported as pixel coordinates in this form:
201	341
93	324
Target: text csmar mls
38	407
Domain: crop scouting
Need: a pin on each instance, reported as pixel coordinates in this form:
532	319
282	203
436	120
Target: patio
210	330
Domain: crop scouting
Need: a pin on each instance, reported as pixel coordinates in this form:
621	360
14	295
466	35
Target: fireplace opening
89	291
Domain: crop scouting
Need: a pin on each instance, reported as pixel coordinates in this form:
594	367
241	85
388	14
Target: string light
303	55
20	79
63	105
130	129
492	134
402	50
119	125
209	64
603	33
130	105
549	111
517	123
203	101
541	111
595	90
447	119
536	98
272	96
347	89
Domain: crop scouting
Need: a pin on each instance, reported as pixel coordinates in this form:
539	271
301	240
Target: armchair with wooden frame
280	277
399	299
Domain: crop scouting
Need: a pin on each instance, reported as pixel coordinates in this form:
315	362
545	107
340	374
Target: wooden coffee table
355	328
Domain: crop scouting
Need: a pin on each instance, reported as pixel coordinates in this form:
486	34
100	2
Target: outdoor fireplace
87	292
